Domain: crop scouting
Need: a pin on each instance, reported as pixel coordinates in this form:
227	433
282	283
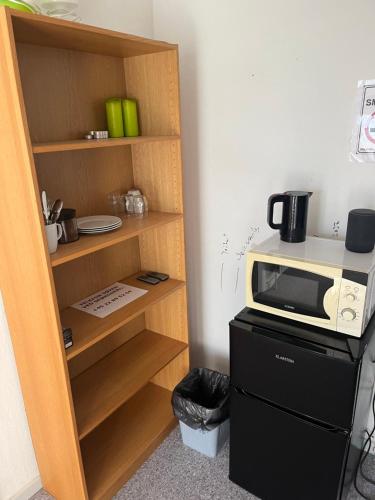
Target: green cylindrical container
19	5
129	108
114	117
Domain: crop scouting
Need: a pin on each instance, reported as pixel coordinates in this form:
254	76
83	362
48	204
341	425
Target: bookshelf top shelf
56	146
51	32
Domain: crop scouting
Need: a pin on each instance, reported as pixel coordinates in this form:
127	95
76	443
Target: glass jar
138	206
129	205
116	203
67	9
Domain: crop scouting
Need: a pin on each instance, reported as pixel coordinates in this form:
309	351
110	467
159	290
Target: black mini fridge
300	402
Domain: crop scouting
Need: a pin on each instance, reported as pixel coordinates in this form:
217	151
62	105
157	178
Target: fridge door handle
304	418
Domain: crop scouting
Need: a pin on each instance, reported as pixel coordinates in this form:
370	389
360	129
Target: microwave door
290	289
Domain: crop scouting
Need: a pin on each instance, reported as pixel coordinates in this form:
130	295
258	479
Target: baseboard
29	490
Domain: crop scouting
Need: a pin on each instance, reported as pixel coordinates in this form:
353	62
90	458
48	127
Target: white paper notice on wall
109	300
363	138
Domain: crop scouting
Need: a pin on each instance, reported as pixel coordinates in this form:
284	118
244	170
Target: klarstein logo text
284	358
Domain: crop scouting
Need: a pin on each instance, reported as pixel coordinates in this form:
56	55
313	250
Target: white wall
19	475
18	468
128	16
268	90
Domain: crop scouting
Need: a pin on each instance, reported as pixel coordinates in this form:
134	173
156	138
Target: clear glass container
67	9
116	202
139	206
129	205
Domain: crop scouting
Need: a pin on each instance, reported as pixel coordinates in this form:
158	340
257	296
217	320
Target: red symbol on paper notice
370	128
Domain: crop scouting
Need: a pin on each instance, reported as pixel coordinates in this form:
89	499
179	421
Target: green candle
129	107
114	117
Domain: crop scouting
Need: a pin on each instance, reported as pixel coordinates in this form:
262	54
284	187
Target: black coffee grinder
294	217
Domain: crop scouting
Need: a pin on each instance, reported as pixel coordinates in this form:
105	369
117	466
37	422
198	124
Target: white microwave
317	282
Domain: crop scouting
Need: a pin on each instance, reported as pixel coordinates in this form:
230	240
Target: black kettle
294	218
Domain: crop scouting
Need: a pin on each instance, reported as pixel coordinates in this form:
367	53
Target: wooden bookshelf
118	447
104	404
79	144
104	387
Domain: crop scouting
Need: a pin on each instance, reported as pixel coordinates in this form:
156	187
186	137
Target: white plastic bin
207	442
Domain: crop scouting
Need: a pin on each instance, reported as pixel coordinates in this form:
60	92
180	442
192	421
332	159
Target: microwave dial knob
348	314
350	297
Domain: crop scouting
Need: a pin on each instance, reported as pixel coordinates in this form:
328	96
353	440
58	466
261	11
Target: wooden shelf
104	387
52	147
88	329
114	451
92	243
52	32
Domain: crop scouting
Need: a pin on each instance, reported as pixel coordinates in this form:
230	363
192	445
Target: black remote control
158	276
148	279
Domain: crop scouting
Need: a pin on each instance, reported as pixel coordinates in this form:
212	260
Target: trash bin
201	403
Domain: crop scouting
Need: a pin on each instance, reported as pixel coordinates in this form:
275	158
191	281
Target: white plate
96	231
100	228
99	232
82	231
98	222
103	227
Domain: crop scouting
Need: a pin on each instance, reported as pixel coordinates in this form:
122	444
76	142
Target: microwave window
290	289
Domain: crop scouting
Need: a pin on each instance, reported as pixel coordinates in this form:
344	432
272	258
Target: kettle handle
274	198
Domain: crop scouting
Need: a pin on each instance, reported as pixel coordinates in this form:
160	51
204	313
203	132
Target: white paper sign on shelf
109	300
363	140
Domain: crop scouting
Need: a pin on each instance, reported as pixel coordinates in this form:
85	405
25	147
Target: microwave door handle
330	300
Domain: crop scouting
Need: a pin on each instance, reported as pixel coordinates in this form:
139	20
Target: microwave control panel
351	308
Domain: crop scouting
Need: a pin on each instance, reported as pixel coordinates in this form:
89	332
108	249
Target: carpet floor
175	472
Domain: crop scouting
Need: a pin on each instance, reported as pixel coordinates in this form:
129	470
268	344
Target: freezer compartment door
276	455
293	373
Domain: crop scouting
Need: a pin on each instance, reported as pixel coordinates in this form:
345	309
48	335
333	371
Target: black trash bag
201	399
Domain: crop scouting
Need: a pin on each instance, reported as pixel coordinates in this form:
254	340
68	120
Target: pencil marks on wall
237	276
234	253
247	244
225	251
335	229
225	245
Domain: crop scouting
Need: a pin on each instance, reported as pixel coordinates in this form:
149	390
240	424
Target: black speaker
360	233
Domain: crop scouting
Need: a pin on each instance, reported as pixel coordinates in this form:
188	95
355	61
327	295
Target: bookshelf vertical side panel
158	172
169	317
174	372
163	250
153	80
28	293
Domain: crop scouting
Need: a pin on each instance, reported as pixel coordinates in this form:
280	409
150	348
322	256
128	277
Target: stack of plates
98	224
